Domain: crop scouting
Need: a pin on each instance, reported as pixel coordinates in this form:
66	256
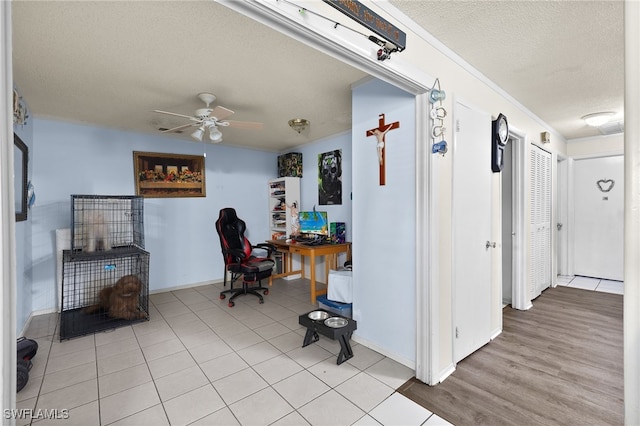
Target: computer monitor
313	223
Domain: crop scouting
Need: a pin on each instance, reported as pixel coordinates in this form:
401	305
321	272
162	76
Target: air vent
611	128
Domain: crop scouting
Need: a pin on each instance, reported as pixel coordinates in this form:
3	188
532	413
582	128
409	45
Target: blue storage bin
342	309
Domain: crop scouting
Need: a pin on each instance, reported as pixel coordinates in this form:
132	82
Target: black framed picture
330	177
20	166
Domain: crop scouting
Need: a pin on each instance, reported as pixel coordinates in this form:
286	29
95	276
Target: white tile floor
595	284
199	362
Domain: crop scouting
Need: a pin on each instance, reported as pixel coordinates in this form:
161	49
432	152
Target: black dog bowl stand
342	334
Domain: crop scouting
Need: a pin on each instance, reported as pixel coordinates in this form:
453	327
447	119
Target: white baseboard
495	334
402	360
446	372
33	314
185	286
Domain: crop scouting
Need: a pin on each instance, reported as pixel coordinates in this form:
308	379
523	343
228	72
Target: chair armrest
238	255
269	248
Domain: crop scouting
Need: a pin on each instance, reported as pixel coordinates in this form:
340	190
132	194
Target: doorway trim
348	48
520	294
561	217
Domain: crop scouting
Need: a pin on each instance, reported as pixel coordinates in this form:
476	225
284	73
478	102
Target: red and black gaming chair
240	258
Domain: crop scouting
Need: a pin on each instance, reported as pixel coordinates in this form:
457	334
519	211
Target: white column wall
632	214
7	219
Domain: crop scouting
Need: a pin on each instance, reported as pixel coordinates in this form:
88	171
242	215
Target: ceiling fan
209	119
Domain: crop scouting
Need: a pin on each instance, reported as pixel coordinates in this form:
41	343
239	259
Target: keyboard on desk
311	241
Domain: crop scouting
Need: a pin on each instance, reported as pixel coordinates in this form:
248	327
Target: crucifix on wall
380	132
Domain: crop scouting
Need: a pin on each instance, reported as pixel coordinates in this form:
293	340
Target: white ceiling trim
437	44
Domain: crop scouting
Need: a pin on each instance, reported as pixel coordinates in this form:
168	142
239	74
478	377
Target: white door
472	203
540	191
599	230
562	224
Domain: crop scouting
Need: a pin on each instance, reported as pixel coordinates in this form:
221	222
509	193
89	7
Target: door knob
559	225
490	244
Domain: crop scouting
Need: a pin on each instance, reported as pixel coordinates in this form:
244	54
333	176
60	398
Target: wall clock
499	139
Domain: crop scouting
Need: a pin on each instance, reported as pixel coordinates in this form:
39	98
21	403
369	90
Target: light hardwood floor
560	362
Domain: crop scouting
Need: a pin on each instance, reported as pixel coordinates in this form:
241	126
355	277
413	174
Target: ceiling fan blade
179	127
245	124
173	113
220	113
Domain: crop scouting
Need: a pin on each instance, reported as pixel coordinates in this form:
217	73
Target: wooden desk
329	251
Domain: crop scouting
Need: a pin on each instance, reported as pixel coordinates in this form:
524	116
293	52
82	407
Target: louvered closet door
540	250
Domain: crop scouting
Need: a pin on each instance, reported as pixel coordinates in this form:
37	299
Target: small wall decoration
160	175
330	177
20	113
605	185
380	132
290	164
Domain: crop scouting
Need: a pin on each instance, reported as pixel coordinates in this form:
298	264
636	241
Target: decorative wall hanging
605	185
159	175
438	113
290	164
20	112
330	177
380	132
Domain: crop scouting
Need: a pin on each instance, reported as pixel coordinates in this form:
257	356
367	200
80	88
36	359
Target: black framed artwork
330	177
20	167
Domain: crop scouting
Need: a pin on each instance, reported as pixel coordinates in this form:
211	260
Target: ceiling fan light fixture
299	124
597	119
197	135
215	134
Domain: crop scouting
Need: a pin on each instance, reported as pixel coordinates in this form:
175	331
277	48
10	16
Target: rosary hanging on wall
437	113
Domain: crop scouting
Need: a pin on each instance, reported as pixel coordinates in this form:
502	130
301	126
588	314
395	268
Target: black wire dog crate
104	222
103	290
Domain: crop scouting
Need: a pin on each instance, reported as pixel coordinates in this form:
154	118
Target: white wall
597	146
384	223
179	232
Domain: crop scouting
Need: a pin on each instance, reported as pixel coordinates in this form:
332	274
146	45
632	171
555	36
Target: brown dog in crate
120	300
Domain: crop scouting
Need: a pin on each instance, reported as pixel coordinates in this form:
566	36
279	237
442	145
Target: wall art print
330	178
159	175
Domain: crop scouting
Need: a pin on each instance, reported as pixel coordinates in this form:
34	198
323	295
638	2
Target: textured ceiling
112	63
561	59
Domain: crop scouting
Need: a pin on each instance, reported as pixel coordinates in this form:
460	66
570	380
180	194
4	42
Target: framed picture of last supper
160	175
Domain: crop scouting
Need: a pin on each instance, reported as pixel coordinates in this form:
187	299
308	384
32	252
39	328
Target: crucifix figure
379	132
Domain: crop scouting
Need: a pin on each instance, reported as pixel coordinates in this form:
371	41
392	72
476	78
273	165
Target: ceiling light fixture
214	134
597	119
197	135
299	124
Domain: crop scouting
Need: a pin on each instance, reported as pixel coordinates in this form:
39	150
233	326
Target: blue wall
24	279
309	188
309	181
384	222
179	232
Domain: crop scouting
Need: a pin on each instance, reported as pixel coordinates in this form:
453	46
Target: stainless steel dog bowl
336	322
318	315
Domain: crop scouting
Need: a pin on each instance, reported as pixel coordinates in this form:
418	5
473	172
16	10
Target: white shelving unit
283	192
